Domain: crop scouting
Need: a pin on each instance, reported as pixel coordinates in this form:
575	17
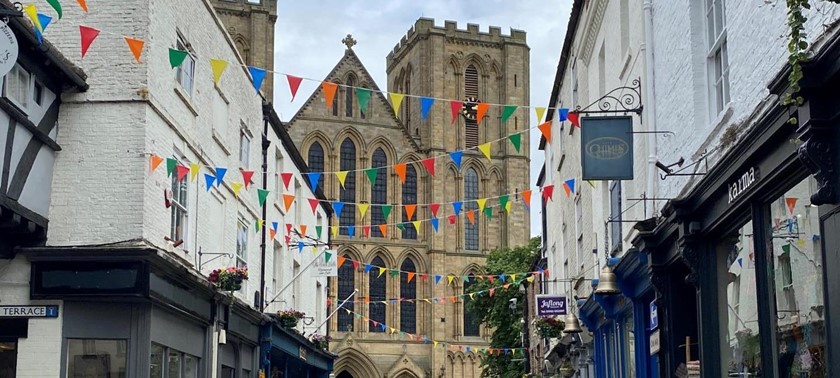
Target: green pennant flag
386	211
357	316
516	139
503	200
508	111
170	166
371	174
466	278
263	194
318	230
395	272
327	256
176	57
488	212
257	226
57	6
401	226
786	248
363	94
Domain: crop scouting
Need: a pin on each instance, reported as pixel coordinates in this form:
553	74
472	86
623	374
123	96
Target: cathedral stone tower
251	25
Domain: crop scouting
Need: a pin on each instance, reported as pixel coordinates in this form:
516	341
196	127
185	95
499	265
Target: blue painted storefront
292	355
614	319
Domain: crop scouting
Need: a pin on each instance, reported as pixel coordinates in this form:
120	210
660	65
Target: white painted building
129	249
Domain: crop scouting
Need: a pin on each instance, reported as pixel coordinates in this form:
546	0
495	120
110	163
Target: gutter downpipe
650	99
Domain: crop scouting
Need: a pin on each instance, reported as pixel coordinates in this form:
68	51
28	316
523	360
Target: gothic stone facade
445	63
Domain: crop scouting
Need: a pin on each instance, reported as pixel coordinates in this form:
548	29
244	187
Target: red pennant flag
246	178
294	84
287	177
399	169
156	160
453	219
492	291
548	192
430	165
424	276
182	172
288	240
456	108
340	261
329	92
136	47
355	264
791	204
545	129
526	196
289	228
490	278
383	230
471	216
481	111
88	35
574	118
313	203
410	276
545	273
434	207
366	230
409	211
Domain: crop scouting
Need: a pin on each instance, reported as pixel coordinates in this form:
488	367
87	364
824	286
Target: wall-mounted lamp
668	169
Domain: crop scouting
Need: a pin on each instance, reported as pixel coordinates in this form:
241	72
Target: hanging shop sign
654	342
551	305
8	49
654	316
607	148
28	311
327	266
738	187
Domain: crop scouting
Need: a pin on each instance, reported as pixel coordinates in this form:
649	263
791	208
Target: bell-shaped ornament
572	323
607	282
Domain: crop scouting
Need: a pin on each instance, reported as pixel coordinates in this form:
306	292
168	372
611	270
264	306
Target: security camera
512	304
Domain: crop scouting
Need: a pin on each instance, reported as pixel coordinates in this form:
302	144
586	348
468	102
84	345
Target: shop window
227	372
8	357
170	363
797	262
630	342
96	358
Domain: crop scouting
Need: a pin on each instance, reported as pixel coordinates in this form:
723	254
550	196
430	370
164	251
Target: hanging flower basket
321	342
289	318
229	279
549	327
566	369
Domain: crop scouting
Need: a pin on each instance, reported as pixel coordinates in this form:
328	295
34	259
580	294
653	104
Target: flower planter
567	372
287	322
229	279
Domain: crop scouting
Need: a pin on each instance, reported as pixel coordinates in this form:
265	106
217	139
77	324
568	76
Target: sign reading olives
607	148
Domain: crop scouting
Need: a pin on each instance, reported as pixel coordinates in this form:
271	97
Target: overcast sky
308	43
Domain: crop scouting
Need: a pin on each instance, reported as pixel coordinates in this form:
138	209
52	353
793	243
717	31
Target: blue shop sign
654	318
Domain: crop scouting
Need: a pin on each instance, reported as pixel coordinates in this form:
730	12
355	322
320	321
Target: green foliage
495	311
797	48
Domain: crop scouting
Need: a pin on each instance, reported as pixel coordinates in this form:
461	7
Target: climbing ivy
797	47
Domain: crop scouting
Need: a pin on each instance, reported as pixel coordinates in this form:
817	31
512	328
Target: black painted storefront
743	262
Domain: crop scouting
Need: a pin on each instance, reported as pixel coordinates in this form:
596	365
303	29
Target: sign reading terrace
28	311
551	305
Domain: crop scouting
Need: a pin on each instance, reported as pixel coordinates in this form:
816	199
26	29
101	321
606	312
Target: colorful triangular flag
258	75
371	175
540	112
314	177
430	165
455	107
399	169
456	158
329	90
409	211
87	33
363	94
288	199
136	47
485	149
342	176
218	66
481	111
425	106
396	101
155	161
294	84
176	57
516	140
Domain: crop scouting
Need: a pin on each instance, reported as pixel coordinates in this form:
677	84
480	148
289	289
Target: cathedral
443	63
440	62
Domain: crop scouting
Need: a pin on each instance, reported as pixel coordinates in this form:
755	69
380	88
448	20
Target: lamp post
524	322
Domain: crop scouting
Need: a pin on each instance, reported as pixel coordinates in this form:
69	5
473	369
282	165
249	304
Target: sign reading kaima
607	148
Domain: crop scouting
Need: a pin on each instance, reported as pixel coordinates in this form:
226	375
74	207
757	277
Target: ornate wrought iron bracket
16	12
624	99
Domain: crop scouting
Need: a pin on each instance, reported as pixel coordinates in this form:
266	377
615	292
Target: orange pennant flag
329	92
83	4
287	200
156	160
410	276
400	170
136	47
271	233
526	196
303	229
341	261
409	211
481	111
545	128
383	229
471	216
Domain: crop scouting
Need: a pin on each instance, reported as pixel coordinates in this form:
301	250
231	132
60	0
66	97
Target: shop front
289	354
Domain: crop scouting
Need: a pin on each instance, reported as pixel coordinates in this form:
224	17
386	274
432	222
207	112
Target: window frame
377	311
408	293
347	194
409	197
244	148
316	162
468	318
185	71
179	209
346	288
472	232
241	237
165	356
378	191
716	49
17	70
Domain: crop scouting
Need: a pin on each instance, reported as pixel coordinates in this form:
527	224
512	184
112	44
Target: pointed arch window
376	294
316	162
407	104
379	191
335	104
471	326
471	90
348	96
470	195
408	292
348	193
409	197
346	285
364	111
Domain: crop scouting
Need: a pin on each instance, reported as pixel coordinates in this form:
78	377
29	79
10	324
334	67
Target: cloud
308	42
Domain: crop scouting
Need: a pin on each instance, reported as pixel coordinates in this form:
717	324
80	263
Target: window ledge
185	99
723	116
218	138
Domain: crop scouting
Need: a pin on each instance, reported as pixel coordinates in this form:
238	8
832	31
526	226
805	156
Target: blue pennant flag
425	340
437	278
502	277
435	224
351	231
209	179
425	106
259	75
220	174
337	207
571	184
300	246
45	20
468	349
274	226
563	114
456	207
313	180
381	325
456	158
368	267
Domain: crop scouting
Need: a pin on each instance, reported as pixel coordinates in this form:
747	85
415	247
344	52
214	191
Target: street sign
551	305
654	342
654	317
28	311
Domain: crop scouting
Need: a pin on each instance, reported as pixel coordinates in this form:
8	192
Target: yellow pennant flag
540	112
416	225
435	343
334	230
396	100
530	279
194	168
381	270
451	277
427	300
218	66
512	278
472	295
236	188
507	207
260	224
485	149
481	203
341	177
363	207
32	12
393	331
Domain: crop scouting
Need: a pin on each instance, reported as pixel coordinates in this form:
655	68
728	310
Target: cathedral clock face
470	108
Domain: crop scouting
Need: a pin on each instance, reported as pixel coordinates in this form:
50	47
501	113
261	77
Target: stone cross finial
349	41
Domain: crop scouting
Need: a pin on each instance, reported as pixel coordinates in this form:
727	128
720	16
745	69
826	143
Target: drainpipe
650	105
265	144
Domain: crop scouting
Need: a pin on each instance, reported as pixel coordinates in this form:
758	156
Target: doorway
8	358
345	374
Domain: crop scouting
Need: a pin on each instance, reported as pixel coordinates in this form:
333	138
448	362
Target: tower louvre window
471	90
